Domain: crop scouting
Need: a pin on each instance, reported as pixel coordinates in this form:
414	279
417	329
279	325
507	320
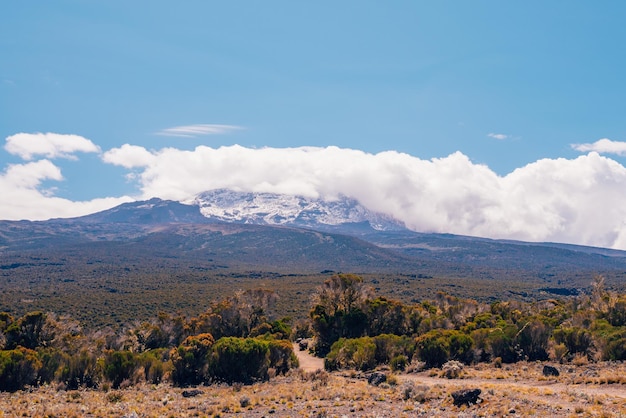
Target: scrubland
381	357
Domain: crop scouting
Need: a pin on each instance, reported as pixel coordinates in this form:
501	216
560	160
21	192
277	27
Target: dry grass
513	390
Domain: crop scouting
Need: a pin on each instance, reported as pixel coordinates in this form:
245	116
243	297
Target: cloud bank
580	201
576	201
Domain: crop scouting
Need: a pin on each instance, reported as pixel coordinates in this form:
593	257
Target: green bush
27	332
80	370
399	362
500	342
52	361
18	368
433	348
282	357
243	360
190	361
576	340
120	366
154	366
533	340
389	346
438	346
352	353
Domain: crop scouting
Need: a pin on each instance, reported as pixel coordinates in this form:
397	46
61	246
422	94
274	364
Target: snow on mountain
279	209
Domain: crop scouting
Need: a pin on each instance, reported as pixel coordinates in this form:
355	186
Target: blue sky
506	84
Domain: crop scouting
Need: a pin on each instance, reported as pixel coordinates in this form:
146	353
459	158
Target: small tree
339	311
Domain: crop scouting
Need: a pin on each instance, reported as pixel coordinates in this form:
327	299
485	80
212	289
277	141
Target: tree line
237	340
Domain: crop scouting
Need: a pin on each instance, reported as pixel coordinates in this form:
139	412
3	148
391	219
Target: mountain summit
279	209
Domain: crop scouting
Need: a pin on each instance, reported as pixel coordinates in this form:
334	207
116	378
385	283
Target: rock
191	393
376	378
550	371
303	345
466	396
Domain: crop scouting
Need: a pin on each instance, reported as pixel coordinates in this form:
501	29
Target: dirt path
557	394
308	363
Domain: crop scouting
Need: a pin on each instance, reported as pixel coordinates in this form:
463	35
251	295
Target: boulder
466	396
376	378
550	371
191	393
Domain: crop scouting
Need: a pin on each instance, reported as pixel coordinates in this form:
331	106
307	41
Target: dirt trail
563	395
616	390
308	363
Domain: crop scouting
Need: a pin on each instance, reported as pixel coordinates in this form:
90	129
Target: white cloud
498	136
576	201
129	156
190	131
563	200
603	146
48	145
24	198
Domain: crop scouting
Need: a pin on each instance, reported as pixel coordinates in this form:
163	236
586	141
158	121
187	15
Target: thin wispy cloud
191	131
602	146
499	137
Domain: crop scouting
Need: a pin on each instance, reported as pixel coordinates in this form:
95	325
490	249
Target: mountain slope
272	231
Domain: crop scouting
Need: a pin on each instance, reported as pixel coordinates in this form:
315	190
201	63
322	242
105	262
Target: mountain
341	214
276	232
142	257
153	211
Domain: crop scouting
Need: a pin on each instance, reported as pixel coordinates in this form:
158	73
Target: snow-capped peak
280	209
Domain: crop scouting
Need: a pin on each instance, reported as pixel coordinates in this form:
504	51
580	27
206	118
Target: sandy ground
308	363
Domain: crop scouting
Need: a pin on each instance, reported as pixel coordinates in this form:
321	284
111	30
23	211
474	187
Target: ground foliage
240	339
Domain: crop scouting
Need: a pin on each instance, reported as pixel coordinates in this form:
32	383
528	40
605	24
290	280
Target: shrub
533	340
28	331
52	361
243	360
438	346
18	368
80	370
282	357
5	320
433	348
153	363
399	362
355	353
120	366
190	360
500	342
576	340
452	369
389	346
